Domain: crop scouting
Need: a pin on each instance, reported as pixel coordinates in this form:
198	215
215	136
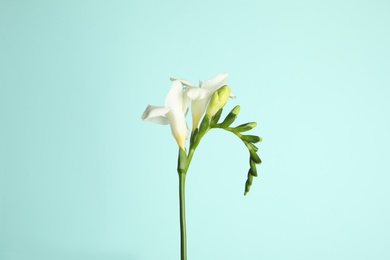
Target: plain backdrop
82	177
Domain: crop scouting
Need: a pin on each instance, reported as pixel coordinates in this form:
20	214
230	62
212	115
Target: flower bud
254	157
245	127
229	119
253	169
250	178
218	100
248	183
251	146
251	138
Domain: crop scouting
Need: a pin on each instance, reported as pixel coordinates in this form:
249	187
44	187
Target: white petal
198	108
156	115
197	93
186	103
215	82
232	95
174	99
183	81
178	126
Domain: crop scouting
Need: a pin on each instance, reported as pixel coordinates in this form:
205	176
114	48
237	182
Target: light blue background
82	177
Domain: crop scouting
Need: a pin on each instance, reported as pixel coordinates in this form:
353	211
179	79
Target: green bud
251	146
253	169
229	119
218	100
247	187
254	156
215	118
250	178
248	182
251	138
245	127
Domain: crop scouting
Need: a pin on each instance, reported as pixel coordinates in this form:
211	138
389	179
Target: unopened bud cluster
211	120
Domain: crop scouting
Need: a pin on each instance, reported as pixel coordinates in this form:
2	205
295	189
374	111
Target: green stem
183	237
189	157
229	129
183	165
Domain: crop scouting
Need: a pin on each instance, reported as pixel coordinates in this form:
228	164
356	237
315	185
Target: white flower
201	95
173	113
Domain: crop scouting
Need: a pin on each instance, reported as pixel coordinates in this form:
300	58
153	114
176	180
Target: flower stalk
182	202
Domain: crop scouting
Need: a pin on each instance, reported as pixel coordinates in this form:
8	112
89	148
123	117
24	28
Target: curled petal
174	99
215	82
156	115
197	93
185	104
173	113
184	82
198	108
179	127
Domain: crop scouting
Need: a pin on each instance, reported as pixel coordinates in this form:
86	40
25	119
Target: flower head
173	113
201	95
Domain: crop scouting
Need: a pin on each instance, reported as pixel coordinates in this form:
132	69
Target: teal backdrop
83	178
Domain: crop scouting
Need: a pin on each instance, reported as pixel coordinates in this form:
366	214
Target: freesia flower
173	113
208	99
201	95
